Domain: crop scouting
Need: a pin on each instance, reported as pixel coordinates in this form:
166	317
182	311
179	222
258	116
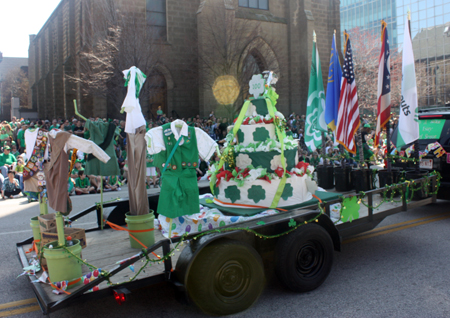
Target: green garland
293	225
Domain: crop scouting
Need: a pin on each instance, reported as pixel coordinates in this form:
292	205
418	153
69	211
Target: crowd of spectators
13	159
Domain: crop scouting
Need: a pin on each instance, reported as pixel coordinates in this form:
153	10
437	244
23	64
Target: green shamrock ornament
261	223
232	193
292	223
260	134
240	136
287	192
216	191
256	193
350	209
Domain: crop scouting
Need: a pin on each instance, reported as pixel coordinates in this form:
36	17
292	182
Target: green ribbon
281	135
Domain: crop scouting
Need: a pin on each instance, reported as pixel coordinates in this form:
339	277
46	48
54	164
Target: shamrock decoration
260	134
240	136
350	209
256	193
233	193
287	192
261	106
292	223
261	223
216	190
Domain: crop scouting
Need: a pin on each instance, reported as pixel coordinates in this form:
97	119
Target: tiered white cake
255	178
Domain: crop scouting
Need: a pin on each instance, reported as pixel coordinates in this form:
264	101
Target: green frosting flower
232	193
256	193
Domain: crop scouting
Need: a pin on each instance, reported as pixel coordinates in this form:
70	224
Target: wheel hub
231	280
309	259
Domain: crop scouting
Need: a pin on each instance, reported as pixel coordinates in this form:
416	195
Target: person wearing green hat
77	167
7	161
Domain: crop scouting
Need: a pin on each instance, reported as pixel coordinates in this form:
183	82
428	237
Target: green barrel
34	223
139	223
62	266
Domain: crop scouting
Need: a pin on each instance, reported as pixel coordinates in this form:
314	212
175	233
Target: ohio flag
408	121
315	110
384	84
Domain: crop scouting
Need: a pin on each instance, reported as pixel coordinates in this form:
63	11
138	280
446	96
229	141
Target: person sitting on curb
10	186
82	184
112	183
7	161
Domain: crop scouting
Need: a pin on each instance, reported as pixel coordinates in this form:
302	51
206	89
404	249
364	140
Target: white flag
408	122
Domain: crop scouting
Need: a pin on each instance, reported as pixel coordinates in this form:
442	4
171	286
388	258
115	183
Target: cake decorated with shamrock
259	165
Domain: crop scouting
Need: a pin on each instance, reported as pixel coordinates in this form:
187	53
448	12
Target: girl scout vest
185	156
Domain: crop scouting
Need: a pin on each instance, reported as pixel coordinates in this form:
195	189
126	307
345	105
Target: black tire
304	258
227	277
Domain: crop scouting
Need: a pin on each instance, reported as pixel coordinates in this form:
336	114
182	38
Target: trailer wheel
227	277
304	258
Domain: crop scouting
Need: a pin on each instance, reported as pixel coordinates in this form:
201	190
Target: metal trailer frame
274	224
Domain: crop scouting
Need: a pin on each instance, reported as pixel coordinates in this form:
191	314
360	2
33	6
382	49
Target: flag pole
416	142
322	133
388	124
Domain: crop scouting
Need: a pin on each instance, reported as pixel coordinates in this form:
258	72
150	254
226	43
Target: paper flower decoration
243	161
276	162
251	110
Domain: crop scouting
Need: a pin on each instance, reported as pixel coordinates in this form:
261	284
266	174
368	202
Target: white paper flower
243	161
310	169
268	117
251	122
298	171
276	162
250	110
253	175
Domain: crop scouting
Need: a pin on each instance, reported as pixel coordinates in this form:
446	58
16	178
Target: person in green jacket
7	161
21	137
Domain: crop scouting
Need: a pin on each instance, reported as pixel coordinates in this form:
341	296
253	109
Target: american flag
384	84
348	111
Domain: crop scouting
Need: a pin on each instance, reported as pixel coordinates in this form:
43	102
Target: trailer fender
329	226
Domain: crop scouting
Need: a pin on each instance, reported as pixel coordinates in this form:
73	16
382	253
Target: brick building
274	34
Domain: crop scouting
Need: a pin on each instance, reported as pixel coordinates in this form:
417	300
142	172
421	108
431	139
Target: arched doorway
253	64
157	94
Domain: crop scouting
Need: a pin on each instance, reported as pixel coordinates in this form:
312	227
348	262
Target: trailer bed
107	247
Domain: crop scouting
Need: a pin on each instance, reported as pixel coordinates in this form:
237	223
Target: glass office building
430	30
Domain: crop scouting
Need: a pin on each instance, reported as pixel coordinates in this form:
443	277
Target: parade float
262	200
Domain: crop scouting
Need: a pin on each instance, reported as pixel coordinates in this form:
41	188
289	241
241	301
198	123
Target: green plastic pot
34	223
139	223
62	266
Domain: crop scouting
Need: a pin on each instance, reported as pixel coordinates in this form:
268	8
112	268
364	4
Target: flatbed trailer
228	258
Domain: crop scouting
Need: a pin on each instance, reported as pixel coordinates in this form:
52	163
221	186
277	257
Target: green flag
315	110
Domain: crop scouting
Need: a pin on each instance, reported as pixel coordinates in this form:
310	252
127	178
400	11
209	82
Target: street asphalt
398	272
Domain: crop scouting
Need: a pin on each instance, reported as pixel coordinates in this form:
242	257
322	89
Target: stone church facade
275	35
